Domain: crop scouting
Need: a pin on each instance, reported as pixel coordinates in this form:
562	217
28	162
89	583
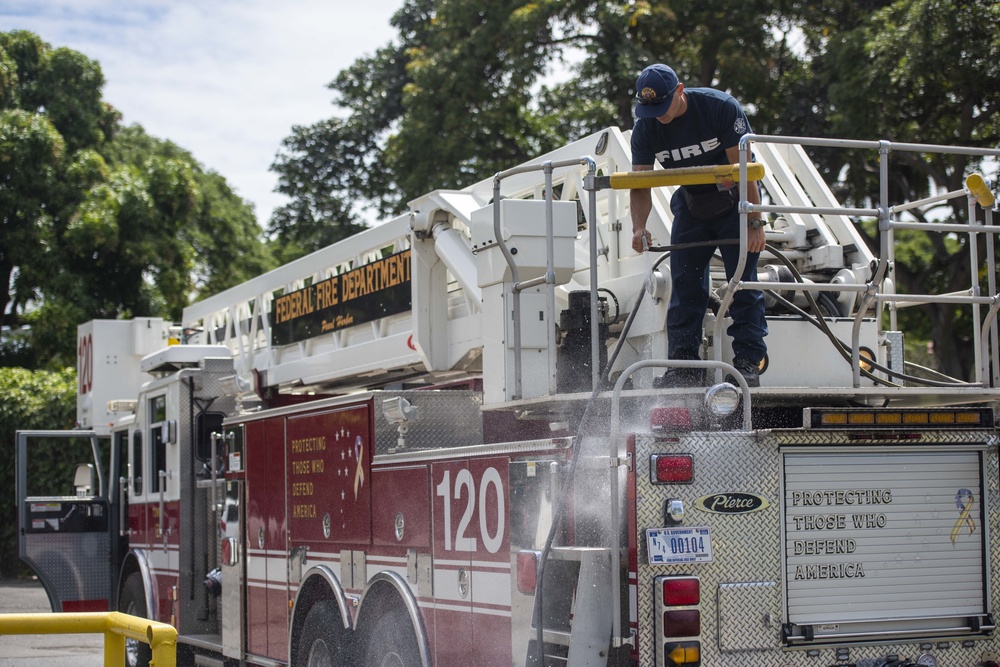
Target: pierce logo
732	503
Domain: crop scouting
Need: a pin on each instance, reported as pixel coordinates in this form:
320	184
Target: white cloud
224	79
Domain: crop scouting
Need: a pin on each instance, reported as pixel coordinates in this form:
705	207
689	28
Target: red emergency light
670	418
681	591
672	468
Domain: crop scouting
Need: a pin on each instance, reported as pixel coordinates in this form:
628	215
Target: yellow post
626	180
114	650
115	627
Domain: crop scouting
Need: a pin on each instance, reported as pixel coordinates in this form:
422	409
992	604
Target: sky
224	79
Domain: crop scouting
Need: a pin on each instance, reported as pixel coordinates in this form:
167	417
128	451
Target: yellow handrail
115	626
626	180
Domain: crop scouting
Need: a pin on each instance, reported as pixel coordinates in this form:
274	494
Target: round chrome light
722	399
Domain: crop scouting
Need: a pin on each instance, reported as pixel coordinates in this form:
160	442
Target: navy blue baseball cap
654	91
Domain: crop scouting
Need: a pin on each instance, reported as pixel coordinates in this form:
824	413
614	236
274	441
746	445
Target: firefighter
692	127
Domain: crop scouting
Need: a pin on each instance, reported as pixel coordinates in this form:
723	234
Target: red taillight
667	418
680	592
672	468
527	571
682	623
677	599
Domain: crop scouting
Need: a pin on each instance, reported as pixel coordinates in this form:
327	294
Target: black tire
391	641
133	602
320	642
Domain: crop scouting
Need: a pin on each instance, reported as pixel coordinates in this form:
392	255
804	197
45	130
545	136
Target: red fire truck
440	442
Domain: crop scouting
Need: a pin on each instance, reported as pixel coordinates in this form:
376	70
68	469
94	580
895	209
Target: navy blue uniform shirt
713	122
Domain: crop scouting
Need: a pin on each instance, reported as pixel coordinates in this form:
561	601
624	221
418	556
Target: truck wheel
133	603
392	641
319	644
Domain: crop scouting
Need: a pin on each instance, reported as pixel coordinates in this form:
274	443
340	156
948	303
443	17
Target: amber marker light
686	654
887	419
865	359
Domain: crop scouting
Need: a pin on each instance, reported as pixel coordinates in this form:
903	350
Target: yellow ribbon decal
964	501
359	472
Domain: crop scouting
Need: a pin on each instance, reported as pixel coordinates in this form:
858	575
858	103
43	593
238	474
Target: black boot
749	370
680	377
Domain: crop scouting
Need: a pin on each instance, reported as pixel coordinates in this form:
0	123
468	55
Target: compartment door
63	519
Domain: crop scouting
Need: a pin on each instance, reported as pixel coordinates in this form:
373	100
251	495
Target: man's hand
638	235
755	239
640	204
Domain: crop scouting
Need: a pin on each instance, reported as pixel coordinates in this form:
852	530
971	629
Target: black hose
666	250
842	347
618	308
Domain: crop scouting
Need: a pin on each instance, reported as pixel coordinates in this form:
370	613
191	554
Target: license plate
679	545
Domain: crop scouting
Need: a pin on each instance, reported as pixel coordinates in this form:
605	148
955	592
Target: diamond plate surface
742	605
446	418
75	564
748	615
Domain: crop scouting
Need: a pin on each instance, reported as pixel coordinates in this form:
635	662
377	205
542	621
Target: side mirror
84	480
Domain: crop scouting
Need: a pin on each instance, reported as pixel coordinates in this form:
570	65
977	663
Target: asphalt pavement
23	597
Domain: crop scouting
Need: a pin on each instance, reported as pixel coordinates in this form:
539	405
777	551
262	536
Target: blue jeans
689	272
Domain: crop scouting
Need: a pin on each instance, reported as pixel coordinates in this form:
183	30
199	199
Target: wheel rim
131	645
319	655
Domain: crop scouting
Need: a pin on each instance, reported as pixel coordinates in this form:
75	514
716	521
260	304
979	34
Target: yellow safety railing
116	628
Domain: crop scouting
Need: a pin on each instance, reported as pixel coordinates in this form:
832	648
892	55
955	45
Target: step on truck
439	442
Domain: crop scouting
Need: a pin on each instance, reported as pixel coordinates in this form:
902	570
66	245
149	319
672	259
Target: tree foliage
932	67
100	220
469	88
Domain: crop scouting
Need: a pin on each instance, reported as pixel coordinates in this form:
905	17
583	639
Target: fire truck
442	441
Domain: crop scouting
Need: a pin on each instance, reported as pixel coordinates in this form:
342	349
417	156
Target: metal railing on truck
877	290
977	191
115	626
796	194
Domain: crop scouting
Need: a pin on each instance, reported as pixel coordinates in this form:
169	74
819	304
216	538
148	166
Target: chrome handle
122	518
162	474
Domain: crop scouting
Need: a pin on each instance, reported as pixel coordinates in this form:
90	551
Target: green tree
468	98
457	96
444	107
99	220
932	70
317	169
51	109
31	154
